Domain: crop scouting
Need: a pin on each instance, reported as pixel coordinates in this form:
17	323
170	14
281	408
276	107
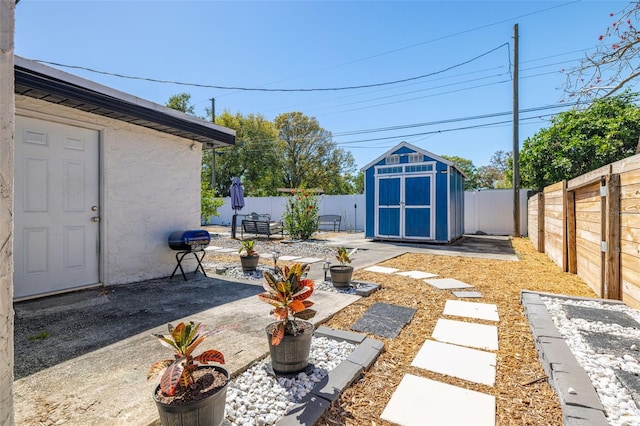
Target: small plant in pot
341	274
249	257
290	336
190	392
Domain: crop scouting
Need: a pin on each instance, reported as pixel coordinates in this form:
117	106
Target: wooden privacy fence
590	226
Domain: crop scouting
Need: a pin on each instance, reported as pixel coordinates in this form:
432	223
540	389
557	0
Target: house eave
52	85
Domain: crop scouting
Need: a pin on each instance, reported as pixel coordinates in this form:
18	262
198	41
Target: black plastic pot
292	354
207	411
341	275
249	263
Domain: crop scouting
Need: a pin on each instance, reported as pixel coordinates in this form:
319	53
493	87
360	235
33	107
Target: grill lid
189	240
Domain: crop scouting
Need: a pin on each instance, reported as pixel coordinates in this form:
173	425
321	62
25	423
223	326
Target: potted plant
249	258
190	392
341	274
289	339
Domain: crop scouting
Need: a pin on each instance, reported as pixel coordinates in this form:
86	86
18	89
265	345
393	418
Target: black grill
189	240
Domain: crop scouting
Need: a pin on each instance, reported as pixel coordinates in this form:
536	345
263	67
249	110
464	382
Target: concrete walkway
107	384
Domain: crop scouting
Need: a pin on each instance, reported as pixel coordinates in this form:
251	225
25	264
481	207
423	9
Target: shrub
301	215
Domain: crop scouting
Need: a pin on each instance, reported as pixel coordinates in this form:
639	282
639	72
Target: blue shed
413	195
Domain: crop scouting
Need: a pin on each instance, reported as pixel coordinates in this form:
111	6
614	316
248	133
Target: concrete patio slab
466	334
457	361
484	311
424	402
447	283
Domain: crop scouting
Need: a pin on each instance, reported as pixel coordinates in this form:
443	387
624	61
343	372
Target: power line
257	89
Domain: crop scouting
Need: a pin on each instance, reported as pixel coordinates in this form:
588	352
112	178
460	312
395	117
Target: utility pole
213	151
516	137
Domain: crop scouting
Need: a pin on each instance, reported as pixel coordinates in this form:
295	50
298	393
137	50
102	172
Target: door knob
95	219
94	208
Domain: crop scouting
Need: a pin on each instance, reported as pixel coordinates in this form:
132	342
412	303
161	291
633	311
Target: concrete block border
582	405
318	401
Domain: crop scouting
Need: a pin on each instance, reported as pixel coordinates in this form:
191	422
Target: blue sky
465	46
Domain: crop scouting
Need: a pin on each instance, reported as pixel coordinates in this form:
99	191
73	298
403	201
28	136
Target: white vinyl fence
486	211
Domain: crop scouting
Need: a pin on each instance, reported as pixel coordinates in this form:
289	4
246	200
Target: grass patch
40	336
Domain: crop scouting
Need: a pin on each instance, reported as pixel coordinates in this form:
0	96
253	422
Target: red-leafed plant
288	293
183	340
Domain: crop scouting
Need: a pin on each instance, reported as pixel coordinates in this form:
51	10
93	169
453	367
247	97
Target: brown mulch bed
523	396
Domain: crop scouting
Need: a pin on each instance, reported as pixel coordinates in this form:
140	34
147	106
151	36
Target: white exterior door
56	244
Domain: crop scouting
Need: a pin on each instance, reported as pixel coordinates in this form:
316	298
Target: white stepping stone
289	257
309	260
424	402
484	311
457	361
266	255
417	274
466	334
381	269
212	248
467	294
228	250
447	283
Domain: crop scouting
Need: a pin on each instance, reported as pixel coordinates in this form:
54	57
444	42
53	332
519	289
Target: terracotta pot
292	354
206	411
341	275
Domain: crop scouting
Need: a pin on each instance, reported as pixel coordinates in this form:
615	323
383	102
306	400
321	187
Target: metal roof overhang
51	85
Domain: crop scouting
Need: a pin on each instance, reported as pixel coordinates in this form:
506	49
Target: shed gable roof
405	147
52	85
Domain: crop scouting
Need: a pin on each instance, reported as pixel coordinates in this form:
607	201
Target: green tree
181	102
579	141
310	157
256	156
498	173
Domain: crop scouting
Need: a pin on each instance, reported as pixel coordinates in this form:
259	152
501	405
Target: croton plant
183	340
288	292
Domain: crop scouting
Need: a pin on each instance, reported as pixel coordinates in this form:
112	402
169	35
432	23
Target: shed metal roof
52	85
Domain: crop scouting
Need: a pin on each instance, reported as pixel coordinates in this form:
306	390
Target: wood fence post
541	222
612	276
571	233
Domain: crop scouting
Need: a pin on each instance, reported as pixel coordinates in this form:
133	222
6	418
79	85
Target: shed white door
56	240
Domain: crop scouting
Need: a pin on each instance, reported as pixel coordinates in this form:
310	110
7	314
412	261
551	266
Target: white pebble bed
620	407
256	398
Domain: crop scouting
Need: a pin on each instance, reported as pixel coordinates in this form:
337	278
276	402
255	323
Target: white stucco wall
150	186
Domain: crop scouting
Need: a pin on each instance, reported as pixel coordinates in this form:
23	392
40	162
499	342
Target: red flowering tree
615	62
301	214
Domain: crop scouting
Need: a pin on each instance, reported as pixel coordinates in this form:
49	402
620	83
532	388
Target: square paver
227	250
309	260
212	248
484	311
466	334
447	283
467	294
381	269
417	274
384	320
457	361
419	401
286	258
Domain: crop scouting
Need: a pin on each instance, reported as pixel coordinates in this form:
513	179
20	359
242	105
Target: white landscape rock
620	407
